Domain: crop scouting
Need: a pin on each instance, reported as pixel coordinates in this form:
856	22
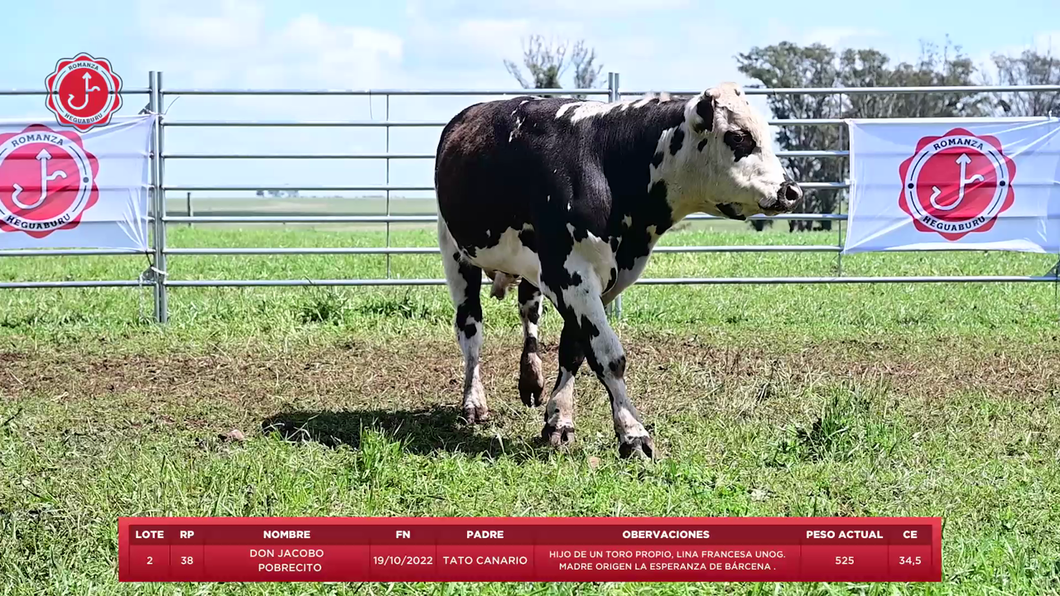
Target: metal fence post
159	269
387	118
614	309
840	207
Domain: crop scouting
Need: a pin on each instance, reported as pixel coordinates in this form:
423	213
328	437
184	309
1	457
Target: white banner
61	188
954	184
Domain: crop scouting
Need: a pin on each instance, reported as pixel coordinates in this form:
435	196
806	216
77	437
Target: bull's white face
734	151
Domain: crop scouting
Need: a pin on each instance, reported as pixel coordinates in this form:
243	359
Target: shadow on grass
422	431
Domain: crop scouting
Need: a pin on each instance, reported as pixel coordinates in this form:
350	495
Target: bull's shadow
423	431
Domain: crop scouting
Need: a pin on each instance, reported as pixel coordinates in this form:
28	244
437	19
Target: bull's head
743	176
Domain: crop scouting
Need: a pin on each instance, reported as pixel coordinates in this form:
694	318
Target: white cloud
228	44
228	25
1046	43
607	7
837	37
840	37
497	36
543	9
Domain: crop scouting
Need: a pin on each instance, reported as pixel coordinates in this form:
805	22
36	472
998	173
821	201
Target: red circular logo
956	184
47	180
83	92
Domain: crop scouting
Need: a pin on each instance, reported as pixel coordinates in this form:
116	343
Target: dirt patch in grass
667	375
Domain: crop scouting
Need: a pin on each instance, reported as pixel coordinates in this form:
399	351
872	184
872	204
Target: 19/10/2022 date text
403	560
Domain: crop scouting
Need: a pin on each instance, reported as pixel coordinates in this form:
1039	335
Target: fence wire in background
156	275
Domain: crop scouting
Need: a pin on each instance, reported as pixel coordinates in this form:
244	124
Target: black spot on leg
676	140
618	366
466	317
571	354
588	329
470	310
702	144
576	279
530	345
529	301
657	159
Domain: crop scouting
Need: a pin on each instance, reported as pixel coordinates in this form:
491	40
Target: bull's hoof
476	414
640	447
558	435
531	380
531	396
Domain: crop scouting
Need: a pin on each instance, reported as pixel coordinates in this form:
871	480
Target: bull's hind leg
559	412
465	282
531	376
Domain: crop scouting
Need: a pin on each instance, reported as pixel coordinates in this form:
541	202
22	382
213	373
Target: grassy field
901	399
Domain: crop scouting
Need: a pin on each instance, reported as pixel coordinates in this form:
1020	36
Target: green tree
547	62
789	65
1030	67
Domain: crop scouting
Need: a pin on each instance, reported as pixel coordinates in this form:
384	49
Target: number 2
149	559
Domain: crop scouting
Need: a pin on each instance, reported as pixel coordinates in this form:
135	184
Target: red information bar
522	549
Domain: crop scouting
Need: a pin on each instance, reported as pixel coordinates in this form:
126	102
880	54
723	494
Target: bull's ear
704	112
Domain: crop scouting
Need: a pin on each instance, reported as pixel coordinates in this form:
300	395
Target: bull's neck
641	142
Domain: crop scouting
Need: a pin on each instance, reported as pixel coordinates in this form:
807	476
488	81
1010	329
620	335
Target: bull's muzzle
788	195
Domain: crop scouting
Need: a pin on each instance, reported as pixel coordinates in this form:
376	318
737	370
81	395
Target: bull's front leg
576	292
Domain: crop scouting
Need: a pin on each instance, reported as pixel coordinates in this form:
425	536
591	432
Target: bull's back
489	168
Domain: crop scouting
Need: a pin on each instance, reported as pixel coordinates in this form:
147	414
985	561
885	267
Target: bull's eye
741	143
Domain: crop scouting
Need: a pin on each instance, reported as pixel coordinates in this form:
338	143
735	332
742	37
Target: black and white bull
567	198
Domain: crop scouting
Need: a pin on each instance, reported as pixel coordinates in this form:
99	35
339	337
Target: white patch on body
510	256
597	254
583	110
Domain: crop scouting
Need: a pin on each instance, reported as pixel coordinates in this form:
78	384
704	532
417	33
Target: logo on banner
47	180
956	184
83	92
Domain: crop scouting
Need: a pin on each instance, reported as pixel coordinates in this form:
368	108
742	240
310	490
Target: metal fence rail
157	278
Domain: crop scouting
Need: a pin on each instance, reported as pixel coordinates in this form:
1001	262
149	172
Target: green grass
898	399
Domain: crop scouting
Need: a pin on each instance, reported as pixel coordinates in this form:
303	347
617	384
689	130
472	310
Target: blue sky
435	44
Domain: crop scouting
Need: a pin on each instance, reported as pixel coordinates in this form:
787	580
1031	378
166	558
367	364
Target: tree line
791	65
